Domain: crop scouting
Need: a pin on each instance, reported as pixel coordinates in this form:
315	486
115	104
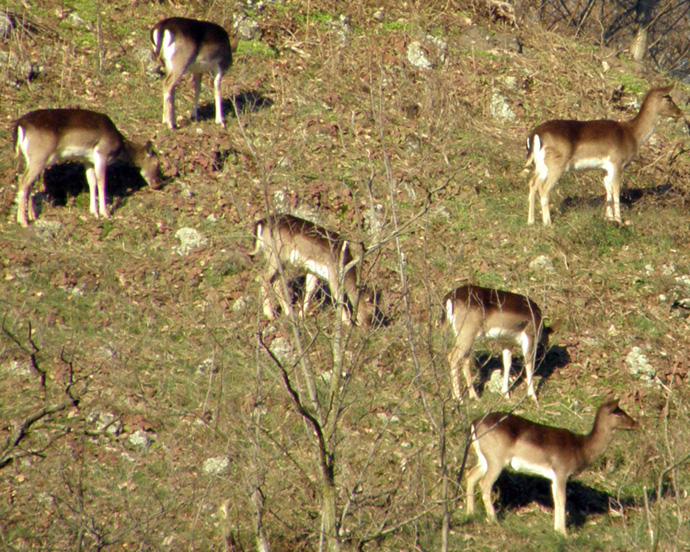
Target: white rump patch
481	459
520	465
449	314
21	140
168	50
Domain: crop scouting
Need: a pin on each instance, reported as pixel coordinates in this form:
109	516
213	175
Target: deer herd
47	136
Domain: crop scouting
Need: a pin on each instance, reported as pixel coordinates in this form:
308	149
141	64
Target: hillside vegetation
147	404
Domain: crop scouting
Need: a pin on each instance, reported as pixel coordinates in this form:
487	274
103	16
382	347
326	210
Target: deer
501	440
475	312
49	136
317	252
191	46
557	146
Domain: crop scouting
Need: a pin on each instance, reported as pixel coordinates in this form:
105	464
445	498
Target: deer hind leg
529	352
196	78
486	485
26	182
218	98
533	185
507	363
310	287
461	353
474	475
544	190
176	71
549	167
267	284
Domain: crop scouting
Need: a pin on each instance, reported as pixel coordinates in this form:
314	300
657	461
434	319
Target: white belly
522	466
592	163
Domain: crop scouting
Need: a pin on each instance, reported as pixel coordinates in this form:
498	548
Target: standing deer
558	146
474	312
320	253
49	136
504	440
191	46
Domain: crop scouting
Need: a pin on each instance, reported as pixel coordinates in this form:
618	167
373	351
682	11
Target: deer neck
598	440
644	123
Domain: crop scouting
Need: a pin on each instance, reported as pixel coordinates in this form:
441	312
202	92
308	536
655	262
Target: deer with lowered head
191	46
48	136
558	146
503	440
321	254
475	312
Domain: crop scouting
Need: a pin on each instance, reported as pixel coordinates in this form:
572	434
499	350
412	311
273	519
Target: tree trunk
329	525
643	16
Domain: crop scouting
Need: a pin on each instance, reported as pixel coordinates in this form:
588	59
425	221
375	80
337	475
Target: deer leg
550	171
169	84
100	172
24	200
474	475
533	186
196	77
558	491
486	484
529	352
310	287
507	362
612	183
218	98
91	179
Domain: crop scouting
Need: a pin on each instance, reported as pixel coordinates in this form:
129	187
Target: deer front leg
507	363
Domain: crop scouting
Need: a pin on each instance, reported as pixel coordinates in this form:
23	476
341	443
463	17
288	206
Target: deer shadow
628	198
247	101
68	180
517	490
556	357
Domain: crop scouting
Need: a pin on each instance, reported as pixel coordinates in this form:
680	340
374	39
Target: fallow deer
49	136
558	146
504	440
321	254
191	46
474	312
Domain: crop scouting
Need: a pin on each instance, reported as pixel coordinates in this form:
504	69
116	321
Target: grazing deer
191	46
475	312
500	439
49	136
322	254
557	146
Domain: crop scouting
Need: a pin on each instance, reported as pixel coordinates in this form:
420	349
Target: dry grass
167	344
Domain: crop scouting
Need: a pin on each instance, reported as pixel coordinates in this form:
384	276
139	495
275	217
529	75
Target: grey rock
639	366
500	107
541	264
190	239
216	466
417	56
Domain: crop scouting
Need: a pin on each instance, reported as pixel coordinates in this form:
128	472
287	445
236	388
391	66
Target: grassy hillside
139	407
